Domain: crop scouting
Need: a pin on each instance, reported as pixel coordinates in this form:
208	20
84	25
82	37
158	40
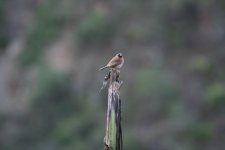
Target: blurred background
173	96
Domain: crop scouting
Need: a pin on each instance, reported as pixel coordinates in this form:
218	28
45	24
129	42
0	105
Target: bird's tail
103	68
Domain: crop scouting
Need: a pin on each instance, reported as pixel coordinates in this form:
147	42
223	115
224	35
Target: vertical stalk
113	138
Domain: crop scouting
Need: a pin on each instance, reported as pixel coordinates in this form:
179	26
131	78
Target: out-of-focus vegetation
97	28
47	25
3	30
173	95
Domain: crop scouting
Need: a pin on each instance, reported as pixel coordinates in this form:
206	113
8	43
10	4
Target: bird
116	62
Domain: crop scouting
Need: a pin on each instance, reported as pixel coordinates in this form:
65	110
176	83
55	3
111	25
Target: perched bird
116	62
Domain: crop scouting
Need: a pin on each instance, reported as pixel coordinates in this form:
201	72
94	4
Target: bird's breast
121	64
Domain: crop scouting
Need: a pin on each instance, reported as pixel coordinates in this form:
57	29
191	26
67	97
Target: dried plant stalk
113	138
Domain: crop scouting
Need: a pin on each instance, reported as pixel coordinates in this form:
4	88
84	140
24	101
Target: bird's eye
120	55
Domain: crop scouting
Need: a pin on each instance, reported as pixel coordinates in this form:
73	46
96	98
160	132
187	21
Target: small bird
116	62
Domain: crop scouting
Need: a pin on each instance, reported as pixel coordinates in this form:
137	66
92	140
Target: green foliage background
173	95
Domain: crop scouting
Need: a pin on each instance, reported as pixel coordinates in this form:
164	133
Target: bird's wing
114	62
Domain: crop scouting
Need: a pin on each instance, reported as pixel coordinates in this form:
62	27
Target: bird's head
119	55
